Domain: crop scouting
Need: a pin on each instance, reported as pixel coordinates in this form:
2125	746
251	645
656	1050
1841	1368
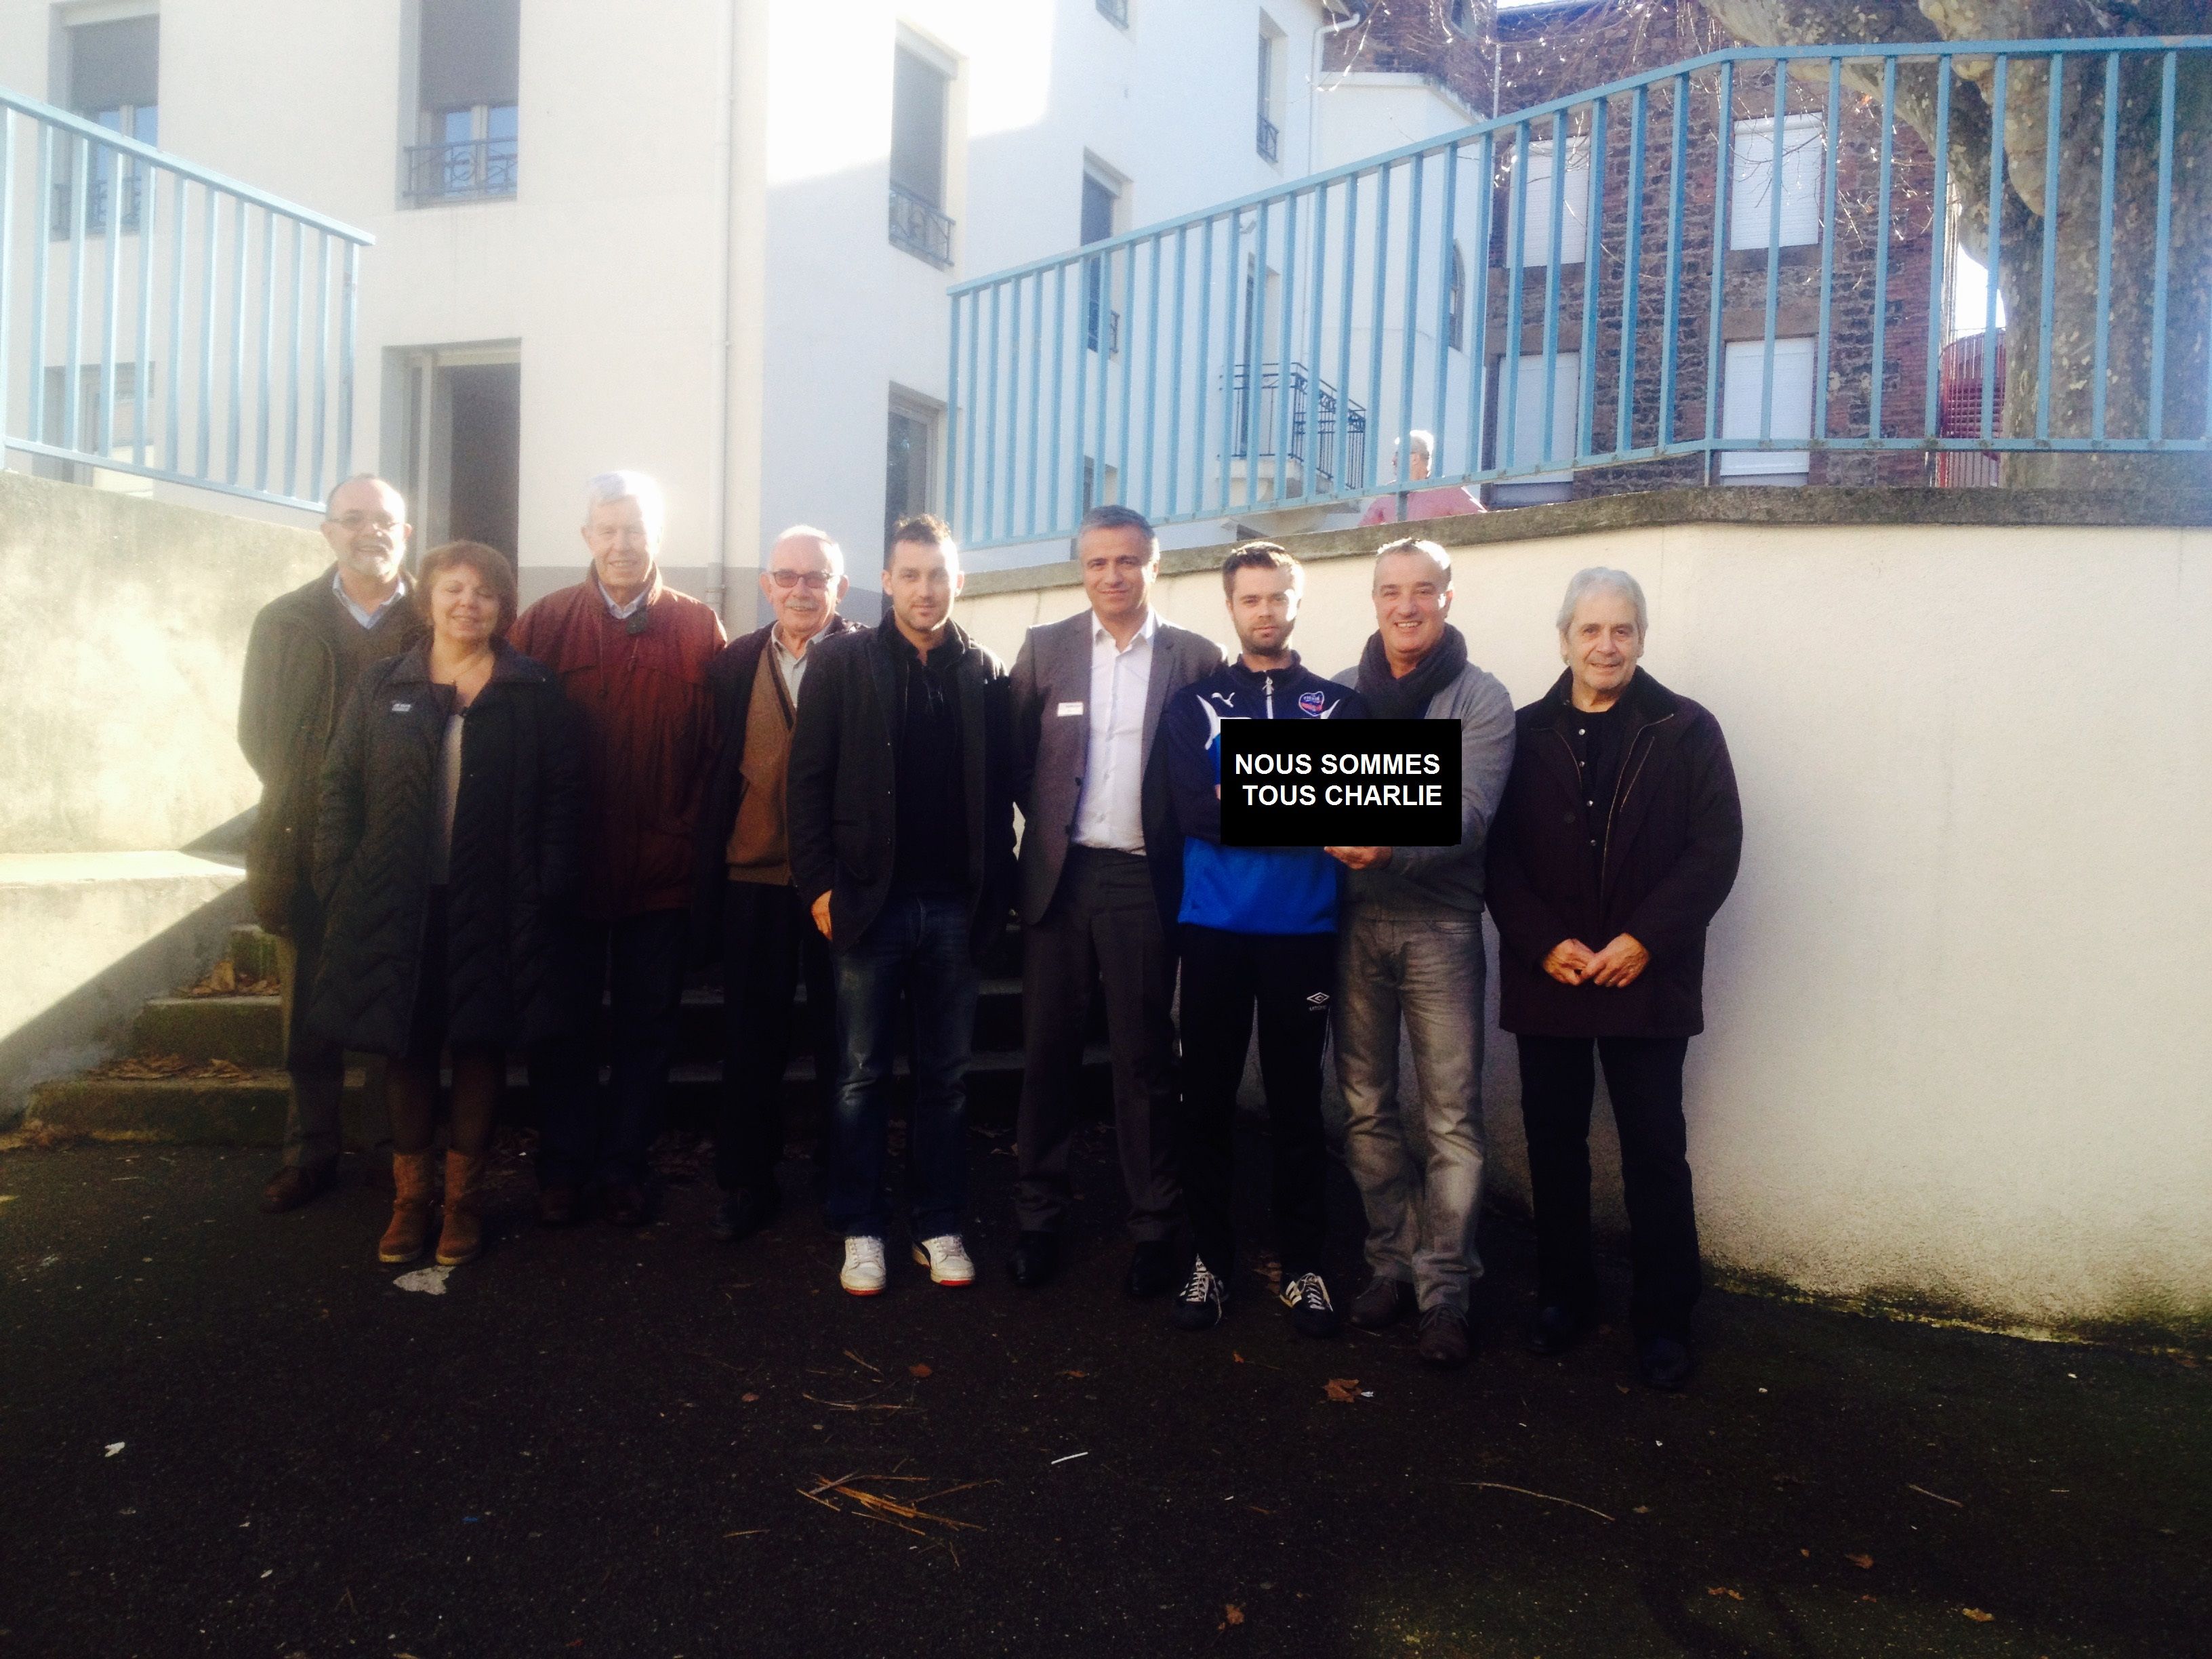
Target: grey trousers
1421	1201
314	1112
1103	925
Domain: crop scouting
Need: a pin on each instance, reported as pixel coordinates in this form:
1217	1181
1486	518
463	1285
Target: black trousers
770	946
585	1135
1288	979
1643	1075
1102	925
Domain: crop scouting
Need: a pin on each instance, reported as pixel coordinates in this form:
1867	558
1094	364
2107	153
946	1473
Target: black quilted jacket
514	870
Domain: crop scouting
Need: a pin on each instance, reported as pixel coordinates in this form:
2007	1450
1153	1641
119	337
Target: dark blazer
1052	749
518	824
1671	838
729	687
842	783
289	700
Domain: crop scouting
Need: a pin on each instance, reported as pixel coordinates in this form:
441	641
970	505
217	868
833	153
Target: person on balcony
1409	947
1617	843
901	787
306	651
446	856
1255	929
746	908
1412	461
1088	693
631	654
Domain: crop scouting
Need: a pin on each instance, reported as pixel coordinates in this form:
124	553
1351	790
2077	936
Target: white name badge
1068	708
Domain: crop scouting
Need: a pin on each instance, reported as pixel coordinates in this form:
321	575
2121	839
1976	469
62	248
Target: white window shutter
1751	181
1574	233
1743	371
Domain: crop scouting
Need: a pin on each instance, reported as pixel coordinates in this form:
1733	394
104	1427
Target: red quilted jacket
640	685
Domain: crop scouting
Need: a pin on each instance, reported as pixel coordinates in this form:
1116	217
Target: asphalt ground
223	1433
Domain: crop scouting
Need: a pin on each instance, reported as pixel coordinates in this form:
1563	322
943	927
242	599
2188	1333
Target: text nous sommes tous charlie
1344	776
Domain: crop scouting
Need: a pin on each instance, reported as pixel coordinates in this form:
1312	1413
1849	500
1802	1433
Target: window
123	440
1751	181
1462	21
919	96
114	70
1743	376
1116	12
1102	214
468	130
1273	54
1456	302
1524	445
910	458
1536	232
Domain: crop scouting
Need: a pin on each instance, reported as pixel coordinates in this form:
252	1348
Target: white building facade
709	239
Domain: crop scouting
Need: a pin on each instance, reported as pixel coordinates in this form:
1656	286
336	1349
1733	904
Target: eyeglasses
814	581
354	523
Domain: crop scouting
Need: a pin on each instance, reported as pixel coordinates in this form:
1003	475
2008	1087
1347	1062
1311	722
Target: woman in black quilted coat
445	857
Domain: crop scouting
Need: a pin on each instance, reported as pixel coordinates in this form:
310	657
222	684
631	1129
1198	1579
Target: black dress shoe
743	1213
1665	1363
1157	1267
1035	1261
1556	1328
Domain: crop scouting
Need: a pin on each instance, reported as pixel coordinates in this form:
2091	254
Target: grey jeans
1421	1200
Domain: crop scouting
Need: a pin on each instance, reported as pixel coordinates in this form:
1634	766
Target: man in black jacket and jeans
307	650
1617	840
902	845
747	905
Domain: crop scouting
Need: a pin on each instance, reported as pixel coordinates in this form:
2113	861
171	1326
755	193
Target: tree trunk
2126	307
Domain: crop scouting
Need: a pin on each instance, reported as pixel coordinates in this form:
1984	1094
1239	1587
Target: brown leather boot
403	1239
462	1236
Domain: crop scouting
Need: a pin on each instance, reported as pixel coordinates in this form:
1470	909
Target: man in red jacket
631	653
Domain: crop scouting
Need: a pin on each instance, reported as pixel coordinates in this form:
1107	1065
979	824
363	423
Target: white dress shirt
1110	813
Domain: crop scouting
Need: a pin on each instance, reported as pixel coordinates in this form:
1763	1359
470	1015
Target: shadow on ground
227	1434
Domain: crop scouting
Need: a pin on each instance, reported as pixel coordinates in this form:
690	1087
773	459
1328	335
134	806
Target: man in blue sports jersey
1256	928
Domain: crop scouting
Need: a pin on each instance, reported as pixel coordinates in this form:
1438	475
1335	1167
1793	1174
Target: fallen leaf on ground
1722	1589
749	1398
113	1447
1233	1616
1978	1615
1235	1357
917	1370
1860	1560
1075	1373
1342	1389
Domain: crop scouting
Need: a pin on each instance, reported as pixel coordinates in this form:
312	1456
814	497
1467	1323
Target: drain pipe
718	460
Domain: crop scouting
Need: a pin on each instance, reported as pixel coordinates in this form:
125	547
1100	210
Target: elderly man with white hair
631	653
1409	951
1618	840
1414	460
746	902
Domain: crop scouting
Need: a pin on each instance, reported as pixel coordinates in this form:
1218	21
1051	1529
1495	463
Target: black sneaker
1199	1306
1312	1313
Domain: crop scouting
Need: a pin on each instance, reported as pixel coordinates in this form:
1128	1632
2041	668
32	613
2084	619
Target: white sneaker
946	1258
863	1273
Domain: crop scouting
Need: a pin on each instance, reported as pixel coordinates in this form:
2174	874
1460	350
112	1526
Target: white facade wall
605	274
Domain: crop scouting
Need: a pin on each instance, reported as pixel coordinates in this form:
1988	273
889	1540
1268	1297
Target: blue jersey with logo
1246	889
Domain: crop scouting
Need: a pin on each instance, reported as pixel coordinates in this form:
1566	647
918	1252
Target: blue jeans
918	944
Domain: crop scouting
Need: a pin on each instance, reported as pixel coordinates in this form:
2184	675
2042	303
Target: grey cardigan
1417	879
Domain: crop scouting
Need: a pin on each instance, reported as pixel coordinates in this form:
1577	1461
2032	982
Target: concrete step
248	1108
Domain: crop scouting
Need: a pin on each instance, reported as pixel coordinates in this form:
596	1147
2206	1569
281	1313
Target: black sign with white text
1340	783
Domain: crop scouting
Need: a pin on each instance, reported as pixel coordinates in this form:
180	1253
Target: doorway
461	438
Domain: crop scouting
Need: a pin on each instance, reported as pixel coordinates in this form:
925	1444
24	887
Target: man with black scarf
1409	945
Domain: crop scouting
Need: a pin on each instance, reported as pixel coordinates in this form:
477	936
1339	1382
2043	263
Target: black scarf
1390	698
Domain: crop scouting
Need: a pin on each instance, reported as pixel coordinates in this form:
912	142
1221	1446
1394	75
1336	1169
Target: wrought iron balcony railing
216	351
1270	140
1668	310
468	170
919	228
1255	431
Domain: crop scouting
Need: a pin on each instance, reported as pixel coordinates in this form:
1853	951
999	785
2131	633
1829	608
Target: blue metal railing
1725	257
217	349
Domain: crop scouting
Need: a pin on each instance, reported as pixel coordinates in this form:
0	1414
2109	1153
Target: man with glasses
747	905
307	650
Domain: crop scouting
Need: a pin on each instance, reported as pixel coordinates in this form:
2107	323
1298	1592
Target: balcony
62	223
1270	140
473	169
1256	430
919	228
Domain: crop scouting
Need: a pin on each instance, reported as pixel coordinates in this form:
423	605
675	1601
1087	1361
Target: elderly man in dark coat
1616	842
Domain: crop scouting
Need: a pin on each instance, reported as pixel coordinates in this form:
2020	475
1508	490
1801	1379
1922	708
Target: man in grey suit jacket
1087	694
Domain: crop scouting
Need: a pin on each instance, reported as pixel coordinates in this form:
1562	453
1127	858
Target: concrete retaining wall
1957	1049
